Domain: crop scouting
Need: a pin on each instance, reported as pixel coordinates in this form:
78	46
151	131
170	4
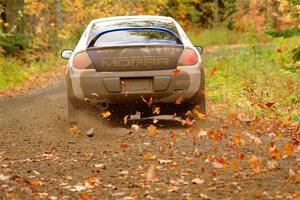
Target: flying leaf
152	130
175	72
179	100
199	115
125	119
106	114
156	110
212	72
124	84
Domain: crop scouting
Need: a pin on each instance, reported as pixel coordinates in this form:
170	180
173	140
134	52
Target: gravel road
213	159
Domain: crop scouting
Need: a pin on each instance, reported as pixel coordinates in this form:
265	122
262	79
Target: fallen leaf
151	172
179	100
3	177
84	196
156	110
172	135
288	149
298	176
152	130
198	181
270	104
234	165
106	114
74	130
175	72
272	164
237	139
36	182
164	161
212	72
148	156
124	146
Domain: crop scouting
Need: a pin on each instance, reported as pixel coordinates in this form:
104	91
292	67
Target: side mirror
66	54
199	49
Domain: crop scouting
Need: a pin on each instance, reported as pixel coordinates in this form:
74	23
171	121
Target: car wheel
71	107
199	97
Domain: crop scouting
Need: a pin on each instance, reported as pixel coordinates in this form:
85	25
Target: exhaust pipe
103	105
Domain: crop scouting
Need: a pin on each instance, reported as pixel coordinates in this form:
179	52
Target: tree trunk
14	15
216	16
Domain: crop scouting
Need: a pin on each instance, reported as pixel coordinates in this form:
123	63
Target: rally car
119	60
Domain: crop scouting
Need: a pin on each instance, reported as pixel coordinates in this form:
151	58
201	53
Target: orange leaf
152	130
275	154
298	176
125	119
172	135
124	146
216	136
175	72
234	165
156	110
237	139
213	71
35	182
148	156
179	100
288	149
84	196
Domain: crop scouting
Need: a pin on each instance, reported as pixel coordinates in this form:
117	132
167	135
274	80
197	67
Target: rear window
106	25
133	37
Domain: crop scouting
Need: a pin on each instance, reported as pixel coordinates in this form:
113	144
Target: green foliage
284	33
250	77
219	36
13	42
296	54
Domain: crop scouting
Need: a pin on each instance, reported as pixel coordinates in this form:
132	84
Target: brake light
188	57
82	61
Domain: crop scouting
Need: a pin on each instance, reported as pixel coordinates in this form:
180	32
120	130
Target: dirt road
212	159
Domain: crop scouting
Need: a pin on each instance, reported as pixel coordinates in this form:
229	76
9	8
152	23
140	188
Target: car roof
137	17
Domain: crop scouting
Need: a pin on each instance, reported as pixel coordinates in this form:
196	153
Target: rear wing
99	34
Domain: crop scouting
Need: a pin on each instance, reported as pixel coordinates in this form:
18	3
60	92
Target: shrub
13	42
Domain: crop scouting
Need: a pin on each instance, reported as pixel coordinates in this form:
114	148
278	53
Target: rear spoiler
164	30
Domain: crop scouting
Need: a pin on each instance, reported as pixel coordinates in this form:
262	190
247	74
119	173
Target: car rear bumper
118	87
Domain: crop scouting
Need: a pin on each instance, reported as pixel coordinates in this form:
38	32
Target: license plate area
136	85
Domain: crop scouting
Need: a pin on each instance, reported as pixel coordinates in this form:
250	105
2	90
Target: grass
14	70
250	79
223	36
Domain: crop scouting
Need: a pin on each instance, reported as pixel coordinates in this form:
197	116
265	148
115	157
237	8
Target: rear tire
71	113
199	97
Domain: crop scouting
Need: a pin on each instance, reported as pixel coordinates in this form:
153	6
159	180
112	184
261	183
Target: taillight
82	61
188	57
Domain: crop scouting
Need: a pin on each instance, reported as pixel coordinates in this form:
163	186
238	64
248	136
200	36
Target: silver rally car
121	60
